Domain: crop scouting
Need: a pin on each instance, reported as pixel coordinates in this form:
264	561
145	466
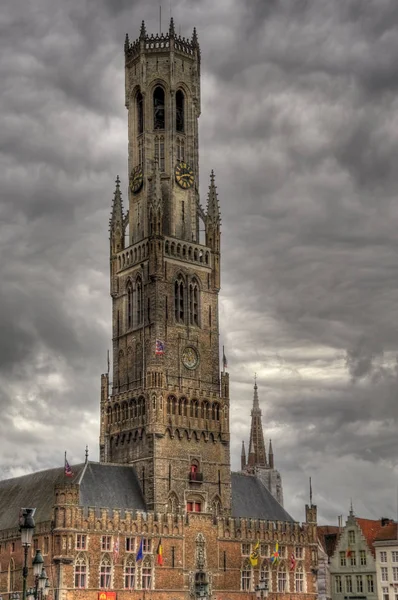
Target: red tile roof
371	530
389	532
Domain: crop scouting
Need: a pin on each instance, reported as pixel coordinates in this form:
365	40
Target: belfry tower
257	463
167	412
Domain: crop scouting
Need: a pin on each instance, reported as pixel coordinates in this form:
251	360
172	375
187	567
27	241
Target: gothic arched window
140	113
80	572
299	580
129	574
194	302
129	305
105	572
179	300
146	574
158	108
159	152
138	301
246	577
282	579
180	110
265	576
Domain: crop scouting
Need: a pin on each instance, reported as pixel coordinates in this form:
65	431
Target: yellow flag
254	555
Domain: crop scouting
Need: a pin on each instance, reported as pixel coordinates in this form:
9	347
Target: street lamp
26	527
42	582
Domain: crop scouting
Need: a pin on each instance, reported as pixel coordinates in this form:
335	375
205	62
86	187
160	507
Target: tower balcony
195	477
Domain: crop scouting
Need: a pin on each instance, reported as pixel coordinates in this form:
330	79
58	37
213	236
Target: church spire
256	432
270	455
116	220
213	208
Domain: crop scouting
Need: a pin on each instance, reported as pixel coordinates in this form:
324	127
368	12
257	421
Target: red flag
159	553
292	562
68	471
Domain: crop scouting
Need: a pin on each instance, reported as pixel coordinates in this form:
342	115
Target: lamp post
27	527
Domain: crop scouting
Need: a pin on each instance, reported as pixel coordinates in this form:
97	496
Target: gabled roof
370	530
328	536
388	532
108	486
251	499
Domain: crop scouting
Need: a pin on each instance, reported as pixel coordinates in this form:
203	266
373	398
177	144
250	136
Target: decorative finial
86	455
143	31
117	181
212	177
194	37
171	28
126	43
255	380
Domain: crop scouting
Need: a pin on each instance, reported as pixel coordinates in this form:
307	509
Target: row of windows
135	576
394	556
350	556
386	594
107	543
384	574
159	113
193	408
348	584
282	579
266	550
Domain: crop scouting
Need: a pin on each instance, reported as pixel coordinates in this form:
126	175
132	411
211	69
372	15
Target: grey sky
299	121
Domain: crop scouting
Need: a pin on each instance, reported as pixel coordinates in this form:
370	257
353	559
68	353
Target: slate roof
328	536
108	486
250	498
117	486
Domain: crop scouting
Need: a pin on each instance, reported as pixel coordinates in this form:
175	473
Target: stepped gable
34	490
112	486
250	498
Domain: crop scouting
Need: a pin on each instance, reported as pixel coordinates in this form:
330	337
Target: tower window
138	303
179	301
158	108
194	303
140	114
140	152
129	305
180	149
159	152
180	110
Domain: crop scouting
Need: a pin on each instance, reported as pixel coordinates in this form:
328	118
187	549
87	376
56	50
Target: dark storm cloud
299	121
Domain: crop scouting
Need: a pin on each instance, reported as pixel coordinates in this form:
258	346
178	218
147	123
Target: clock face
184	175
190	357
136	180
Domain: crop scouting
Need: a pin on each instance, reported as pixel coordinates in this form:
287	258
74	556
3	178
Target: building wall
365	572
191	543
387	569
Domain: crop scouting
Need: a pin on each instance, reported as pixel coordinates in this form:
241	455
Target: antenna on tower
160	19
310	492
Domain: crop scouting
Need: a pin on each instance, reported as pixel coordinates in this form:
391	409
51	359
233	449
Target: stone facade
386	547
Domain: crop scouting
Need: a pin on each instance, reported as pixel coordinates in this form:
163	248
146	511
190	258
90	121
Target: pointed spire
213	208
270	456
143	31
126	43
117	206
256	404
251	461
171	28
195	42
86	455
351	508
243	457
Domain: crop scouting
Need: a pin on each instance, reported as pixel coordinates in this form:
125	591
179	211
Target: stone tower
167	411
257	463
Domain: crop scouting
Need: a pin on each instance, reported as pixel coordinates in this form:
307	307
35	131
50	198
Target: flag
348	552
159	349
254	555
159	553
116	549
275	555
140	553
292	562
224	360
67	471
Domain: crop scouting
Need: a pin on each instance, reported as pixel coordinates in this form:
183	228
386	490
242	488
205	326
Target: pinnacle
143	31
126	43
171	28
194	37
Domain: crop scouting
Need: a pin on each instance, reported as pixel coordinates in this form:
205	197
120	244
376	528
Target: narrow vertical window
105	573
138	301
179	301
140	114
129	305
158	108
194	303
129	575
180	111
159	152
80	573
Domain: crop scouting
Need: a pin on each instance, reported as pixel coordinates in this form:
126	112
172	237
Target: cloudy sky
299	121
